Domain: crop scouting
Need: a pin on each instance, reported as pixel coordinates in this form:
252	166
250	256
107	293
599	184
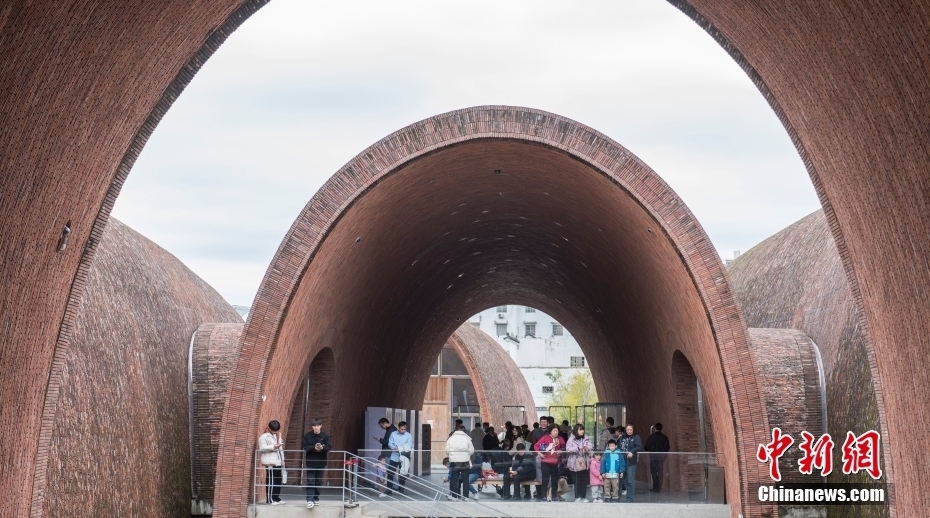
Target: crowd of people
550	456
555	457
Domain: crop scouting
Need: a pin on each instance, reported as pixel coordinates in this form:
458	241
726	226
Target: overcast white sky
302	87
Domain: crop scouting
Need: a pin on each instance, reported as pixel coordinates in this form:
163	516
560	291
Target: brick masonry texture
120	441
795	279
83	84
419	232
851	83
787	362
498	382
213	356
497	378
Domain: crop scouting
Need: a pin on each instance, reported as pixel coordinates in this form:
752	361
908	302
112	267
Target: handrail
418	491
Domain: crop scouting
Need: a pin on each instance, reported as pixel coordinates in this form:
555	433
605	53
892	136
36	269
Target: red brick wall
795	279
498	381
82	86
120	441
214	354
787	363
80	98
851	83
419	231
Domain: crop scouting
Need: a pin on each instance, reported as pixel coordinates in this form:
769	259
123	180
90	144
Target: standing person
522	469
270	446
458	423
401	444
525	431
613	467
316	444
505	432
631	445
386	451
657	445
580	449
608	433
549	447
489	442
459	449
565	430
597	482
516	438
540	431
477	436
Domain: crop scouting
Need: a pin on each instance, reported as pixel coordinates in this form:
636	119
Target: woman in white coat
270	446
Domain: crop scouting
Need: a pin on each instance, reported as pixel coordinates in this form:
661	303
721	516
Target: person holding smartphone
270	446
316	444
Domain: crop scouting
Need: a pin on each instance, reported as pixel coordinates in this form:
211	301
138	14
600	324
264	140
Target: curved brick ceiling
476	208
83	84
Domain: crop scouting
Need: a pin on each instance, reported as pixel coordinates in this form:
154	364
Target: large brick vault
83	84
474	208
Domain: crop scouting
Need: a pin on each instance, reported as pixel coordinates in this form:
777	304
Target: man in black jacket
631	445
522	469
657	445
386	451
538	433
316	444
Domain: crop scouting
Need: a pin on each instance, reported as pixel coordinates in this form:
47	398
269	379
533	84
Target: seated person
474	473
522	469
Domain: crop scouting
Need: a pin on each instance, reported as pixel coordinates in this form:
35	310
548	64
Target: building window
501	329
577	361
556	329
502	309
542	409
547	389
530	310
531	330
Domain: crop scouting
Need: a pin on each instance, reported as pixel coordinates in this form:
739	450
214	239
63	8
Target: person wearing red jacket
549	447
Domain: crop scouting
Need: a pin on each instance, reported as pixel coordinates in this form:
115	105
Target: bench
500	482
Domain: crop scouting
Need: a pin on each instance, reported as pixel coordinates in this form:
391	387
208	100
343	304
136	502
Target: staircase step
487	508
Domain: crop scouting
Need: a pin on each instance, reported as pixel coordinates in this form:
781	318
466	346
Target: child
381	473
613	465
597	482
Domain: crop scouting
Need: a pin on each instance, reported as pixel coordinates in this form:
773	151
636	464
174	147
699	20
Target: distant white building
537	343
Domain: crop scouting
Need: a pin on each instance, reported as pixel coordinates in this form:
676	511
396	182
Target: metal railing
682	477
351	479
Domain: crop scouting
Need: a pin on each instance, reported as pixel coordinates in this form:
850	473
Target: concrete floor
333	509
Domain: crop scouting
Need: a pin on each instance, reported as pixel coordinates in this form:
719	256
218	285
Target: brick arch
81	99
491	369
685	437
416	198
313	399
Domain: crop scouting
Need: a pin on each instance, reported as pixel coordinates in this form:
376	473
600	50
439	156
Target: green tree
571	391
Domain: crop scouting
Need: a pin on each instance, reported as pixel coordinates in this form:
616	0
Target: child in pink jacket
597	483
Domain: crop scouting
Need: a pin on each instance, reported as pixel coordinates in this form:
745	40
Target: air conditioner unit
501	316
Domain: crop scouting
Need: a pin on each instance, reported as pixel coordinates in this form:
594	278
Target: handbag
283	469
580	463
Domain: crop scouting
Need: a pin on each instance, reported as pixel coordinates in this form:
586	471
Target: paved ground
331	509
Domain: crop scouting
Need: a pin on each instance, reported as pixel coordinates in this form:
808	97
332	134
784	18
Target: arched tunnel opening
466	227
384	265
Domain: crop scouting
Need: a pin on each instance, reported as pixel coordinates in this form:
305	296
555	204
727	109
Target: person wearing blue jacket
613	466
401	444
